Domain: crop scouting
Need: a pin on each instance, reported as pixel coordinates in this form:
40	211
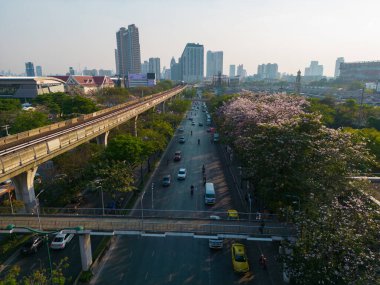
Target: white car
60	241
181	174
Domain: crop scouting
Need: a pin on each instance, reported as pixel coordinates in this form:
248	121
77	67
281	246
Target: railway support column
85	251
24	184
103	138
163	107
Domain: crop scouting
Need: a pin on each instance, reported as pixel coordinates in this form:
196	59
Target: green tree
78	105
27	120
125	148
10	105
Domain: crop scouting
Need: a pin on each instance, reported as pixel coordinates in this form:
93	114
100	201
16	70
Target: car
209	130
177	156
166	180
181	174
239	258
193	123
61	240
232	215
200	124
32	245
181	129
190	118
215	243
181	140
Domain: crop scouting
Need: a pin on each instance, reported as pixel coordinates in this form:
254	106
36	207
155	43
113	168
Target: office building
145	67
127	54
117	62
214	63
90	72
39	70
268	71
232	70
338	61
155	67
175	70
29	69
71	71
314	70
105	72
192	63
241	72
363	71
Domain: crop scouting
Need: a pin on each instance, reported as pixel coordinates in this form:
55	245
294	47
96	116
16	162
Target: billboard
137	76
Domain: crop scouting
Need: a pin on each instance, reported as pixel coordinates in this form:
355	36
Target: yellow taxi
239	258
232	215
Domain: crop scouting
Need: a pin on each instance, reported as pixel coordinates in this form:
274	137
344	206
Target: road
184	260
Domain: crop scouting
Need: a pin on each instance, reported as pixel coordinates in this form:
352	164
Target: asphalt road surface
185	260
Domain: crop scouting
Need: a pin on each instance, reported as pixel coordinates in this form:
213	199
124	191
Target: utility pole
361	115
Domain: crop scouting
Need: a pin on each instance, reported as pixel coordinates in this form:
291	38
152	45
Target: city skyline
250	33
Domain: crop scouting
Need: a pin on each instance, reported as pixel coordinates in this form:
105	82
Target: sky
57	34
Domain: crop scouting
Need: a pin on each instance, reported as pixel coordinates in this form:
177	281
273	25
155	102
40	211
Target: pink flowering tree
338	244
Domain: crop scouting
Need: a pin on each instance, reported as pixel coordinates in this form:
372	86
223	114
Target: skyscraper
154	67
315	69
175	70
145	67
29	69
338	61
39	70
117	62
192	63
214	63
241	72
71	70
128	57
267	71
232	70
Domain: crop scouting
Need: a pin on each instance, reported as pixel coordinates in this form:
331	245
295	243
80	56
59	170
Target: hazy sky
61	33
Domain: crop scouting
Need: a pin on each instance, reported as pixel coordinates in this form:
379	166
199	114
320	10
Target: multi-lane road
184	260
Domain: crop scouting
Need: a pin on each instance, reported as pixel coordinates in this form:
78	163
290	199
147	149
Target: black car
32	245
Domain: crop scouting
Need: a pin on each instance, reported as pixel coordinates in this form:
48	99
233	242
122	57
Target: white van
210	194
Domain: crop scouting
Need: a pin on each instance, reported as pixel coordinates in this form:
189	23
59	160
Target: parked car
32	245
239	258
200	124
193	123
181	174
166	180
215	243
181	129
61	240
177	156
181	140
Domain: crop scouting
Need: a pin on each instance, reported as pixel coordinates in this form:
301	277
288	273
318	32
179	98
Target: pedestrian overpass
149	226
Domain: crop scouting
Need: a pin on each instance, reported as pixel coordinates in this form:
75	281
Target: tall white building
214	63
241	72
338	61
145	67
268	71
314	69
232	70
154	67
192	63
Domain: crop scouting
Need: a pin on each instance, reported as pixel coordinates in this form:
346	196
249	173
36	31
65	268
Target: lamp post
142	210
101	193
12	227
38	210
10	200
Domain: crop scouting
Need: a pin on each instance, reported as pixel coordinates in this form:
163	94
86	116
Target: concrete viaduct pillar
135	126
103	138
24	184
85	251
163	107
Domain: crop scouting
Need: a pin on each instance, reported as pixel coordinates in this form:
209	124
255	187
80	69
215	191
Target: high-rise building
192	63
362	71
268	71
145	67
90	72
338	61
105	72
29	69
71	71
214	63
175	70
241	72
232	70
117	62
39	70
128	57
314	69
154	67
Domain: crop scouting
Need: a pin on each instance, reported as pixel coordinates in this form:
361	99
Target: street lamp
142	210
37	208
12	227
101	191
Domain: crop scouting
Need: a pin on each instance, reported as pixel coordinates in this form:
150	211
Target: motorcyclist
203	169
192	189
199	141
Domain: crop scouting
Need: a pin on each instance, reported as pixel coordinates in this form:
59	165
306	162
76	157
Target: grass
10	244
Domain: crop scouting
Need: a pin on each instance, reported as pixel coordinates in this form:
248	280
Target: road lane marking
153	253
146	275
